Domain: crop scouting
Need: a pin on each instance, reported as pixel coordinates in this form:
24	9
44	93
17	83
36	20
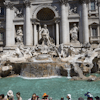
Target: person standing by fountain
18	96
34	97
62	98
69	96
2	97
9	95
89	96
45	97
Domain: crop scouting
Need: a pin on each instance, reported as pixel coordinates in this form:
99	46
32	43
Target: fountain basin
43	57
53	87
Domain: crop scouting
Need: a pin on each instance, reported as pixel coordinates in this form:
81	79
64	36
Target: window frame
93	6
1	36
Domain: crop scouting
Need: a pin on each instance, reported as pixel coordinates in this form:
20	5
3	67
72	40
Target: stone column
9	32
57	33
53	31
35	34
64	22
28	25
80	25
99	14
39	32
85	22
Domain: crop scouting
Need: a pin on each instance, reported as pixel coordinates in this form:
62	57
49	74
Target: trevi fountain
47	66
47	59
50	46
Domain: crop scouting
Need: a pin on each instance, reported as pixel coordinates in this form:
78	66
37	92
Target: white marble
64	24
99	16
29	34
25	13
9	25
85	23
35	35
57	33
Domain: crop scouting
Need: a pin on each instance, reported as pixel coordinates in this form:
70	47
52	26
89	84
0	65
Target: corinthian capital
64	1
27	3
84	1
9	5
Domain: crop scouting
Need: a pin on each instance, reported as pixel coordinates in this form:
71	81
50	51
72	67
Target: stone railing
95	39
2	25
93	12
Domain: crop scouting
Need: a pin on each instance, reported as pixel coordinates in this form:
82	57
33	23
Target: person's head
34	96
19	27
80	98
45	26
97	98
18	94
45	96
89	95
69	96
10	94
50	98
62	98
74	24
1	96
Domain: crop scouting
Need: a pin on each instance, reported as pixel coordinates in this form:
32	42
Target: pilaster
64	22
28	24
10	39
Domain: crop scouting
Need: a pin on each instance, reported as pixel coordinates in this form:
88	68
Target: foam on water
31	78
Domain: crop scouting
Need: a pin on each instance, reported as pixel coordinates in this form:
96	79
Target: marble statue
45	35
18	12
6	68
72	9
74	33
19	36
63	52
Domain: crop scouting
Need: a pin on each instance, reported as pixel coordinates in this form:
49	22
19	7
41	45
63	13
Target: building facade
68	21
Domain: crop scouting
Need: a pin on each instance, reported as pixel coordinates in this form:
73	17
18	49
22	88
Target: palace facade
68	21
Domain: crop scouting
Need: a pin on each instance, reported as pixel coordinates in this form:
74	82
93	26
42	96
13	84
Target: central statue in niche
45	38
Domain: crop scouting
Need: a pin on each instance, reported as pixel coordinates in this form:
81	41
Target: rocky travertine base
43	70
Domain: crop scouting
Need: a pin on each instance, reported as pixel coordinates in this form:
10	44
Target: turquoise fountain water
54	87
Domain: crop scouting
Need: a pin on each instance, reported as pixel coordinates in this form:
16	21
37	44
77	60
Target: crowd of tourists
10	96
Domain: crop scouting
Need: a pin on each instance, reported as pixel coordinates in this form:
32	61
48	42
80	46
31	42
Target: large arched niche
45	7
45	14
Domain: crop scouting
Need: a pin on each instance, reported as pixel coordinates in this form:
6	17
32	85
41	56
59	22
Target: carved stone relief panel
73	8
18	12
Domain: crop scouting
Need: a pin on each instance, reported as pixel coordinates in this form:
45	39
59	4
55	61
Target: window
1	11
94	32
1	36
93	5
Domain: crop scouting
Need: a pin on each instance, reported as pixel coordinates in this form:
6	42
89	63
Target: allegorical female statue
74	33
19	35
